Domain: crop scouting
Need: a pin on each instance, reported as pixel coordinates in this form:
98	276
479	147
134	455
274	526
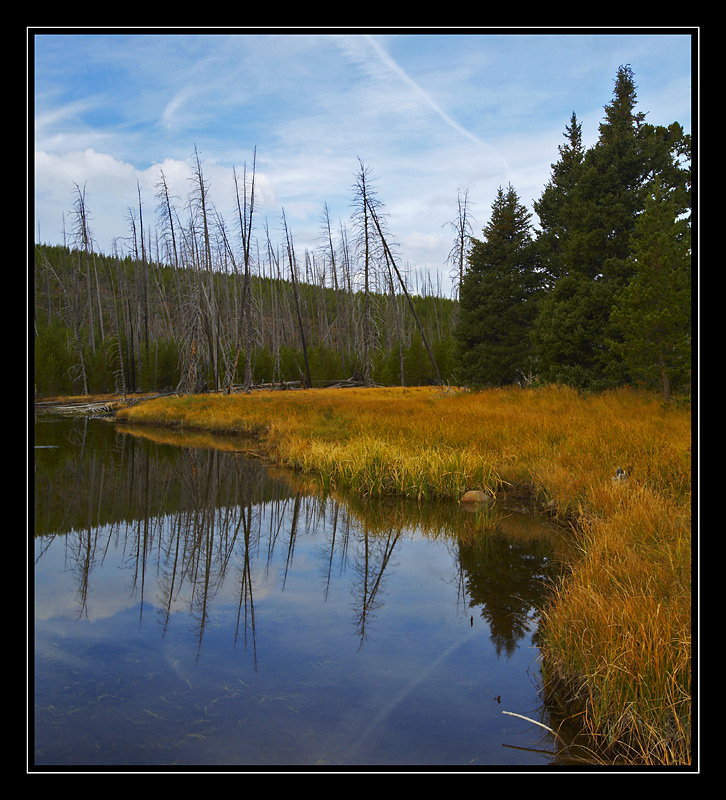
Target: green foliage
568	333
100	369
53	361
498	298
166	364
589	212
599	296
555	208
652	316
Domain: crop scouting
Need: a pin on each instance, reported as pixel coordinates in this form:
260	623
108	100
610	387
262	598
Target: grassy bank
616	641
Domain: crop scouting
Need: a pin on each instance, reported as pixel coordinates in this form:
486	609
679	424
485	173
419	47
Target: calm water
194	609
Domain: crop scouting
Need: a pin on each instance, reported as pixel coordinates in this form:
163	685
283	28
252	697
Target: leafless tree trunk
291	258
398	325
245	211
340	299
462	226
167	215
83	241
144	310
363	200
208	291
377	224
119	373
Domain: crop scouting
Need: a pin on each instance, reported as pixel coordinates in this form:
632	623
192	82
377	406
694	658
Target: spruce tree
608	194
498	298
610	188
555	207
652	316
568	336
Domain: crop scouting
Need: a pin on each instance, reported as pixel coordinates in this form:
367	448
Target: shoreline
559	447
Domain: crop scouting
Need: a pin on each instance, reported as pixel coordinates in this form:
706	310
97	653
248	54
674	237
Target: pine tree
602	205
652	314
498	298
555	206
610	189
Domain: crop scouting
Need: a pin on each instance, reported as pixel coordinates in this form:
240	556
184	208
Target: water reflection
205	538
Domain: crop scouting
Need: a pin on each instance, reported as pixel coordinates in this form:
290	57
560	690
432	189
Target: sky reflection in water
194	609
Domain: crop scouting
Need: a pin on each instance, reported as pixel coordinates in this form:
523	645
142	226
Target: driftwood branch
541	725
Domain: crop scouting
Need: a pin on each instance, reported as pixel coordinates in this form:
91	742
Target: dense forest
598	295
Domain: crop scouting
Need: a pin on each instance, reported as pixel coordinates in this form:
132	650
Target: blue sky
429	113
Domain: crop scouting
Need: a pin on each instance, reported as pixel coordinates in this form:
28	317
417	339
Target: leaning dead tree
392	262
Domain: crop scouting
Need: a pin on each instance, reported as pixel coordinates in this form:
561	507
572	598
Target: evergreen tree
610	188
568	333
617	176
602	204
498	298
652	314
555	206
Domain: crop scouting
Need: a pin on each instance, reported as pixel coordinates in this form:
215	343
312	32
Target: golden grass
616	639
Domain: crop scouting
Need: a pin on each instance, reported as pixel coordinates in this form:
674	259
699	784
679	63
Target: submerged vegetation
616	639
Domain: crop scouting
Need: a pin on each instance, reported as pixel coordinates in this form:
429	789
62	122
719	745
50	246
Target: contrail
388	710
392	65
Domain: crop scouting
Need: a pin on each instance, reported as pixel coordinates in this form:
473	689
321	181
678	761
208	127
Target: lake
195	608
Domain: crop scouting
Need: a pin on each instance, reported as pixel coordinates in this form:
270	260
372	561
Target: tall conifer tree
555	208
498	298
610	189
611	184
652	314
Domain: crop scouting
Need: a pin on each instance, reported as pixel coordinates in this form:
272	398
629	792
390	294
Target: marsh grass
616	638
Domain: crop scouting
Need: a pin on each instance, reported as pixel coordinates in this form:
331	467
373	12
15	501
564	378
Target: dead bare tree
167	214
293	276
363	200
340	323
389	255
212	321
245	210
83	240
462	226
144	294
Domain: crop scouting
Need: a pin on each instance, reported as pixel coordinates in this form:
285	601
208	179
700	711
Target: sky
430	113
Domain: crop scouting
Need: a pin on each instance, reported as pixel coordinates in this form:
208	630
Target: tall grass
616	638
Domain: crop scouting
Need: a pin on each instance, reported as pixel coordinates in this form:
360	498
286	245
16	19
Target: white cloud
429	115
105	180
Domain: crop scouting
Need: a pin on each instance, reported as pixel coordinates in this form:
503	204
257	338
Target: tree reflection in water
203	527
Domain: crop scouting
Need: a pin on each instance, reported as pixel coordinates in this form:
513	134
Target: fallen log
78	409
84	408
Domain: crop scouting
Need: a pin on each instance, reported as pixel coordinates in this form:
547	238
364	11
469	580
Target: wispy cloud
418	91
429	114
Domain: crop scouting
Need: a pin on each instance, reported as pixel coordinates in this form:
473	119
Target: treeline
141	343
600	295
193	306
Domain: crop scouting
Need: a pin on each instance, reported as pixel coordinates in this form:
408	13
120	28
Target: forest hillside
108	324
594	293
